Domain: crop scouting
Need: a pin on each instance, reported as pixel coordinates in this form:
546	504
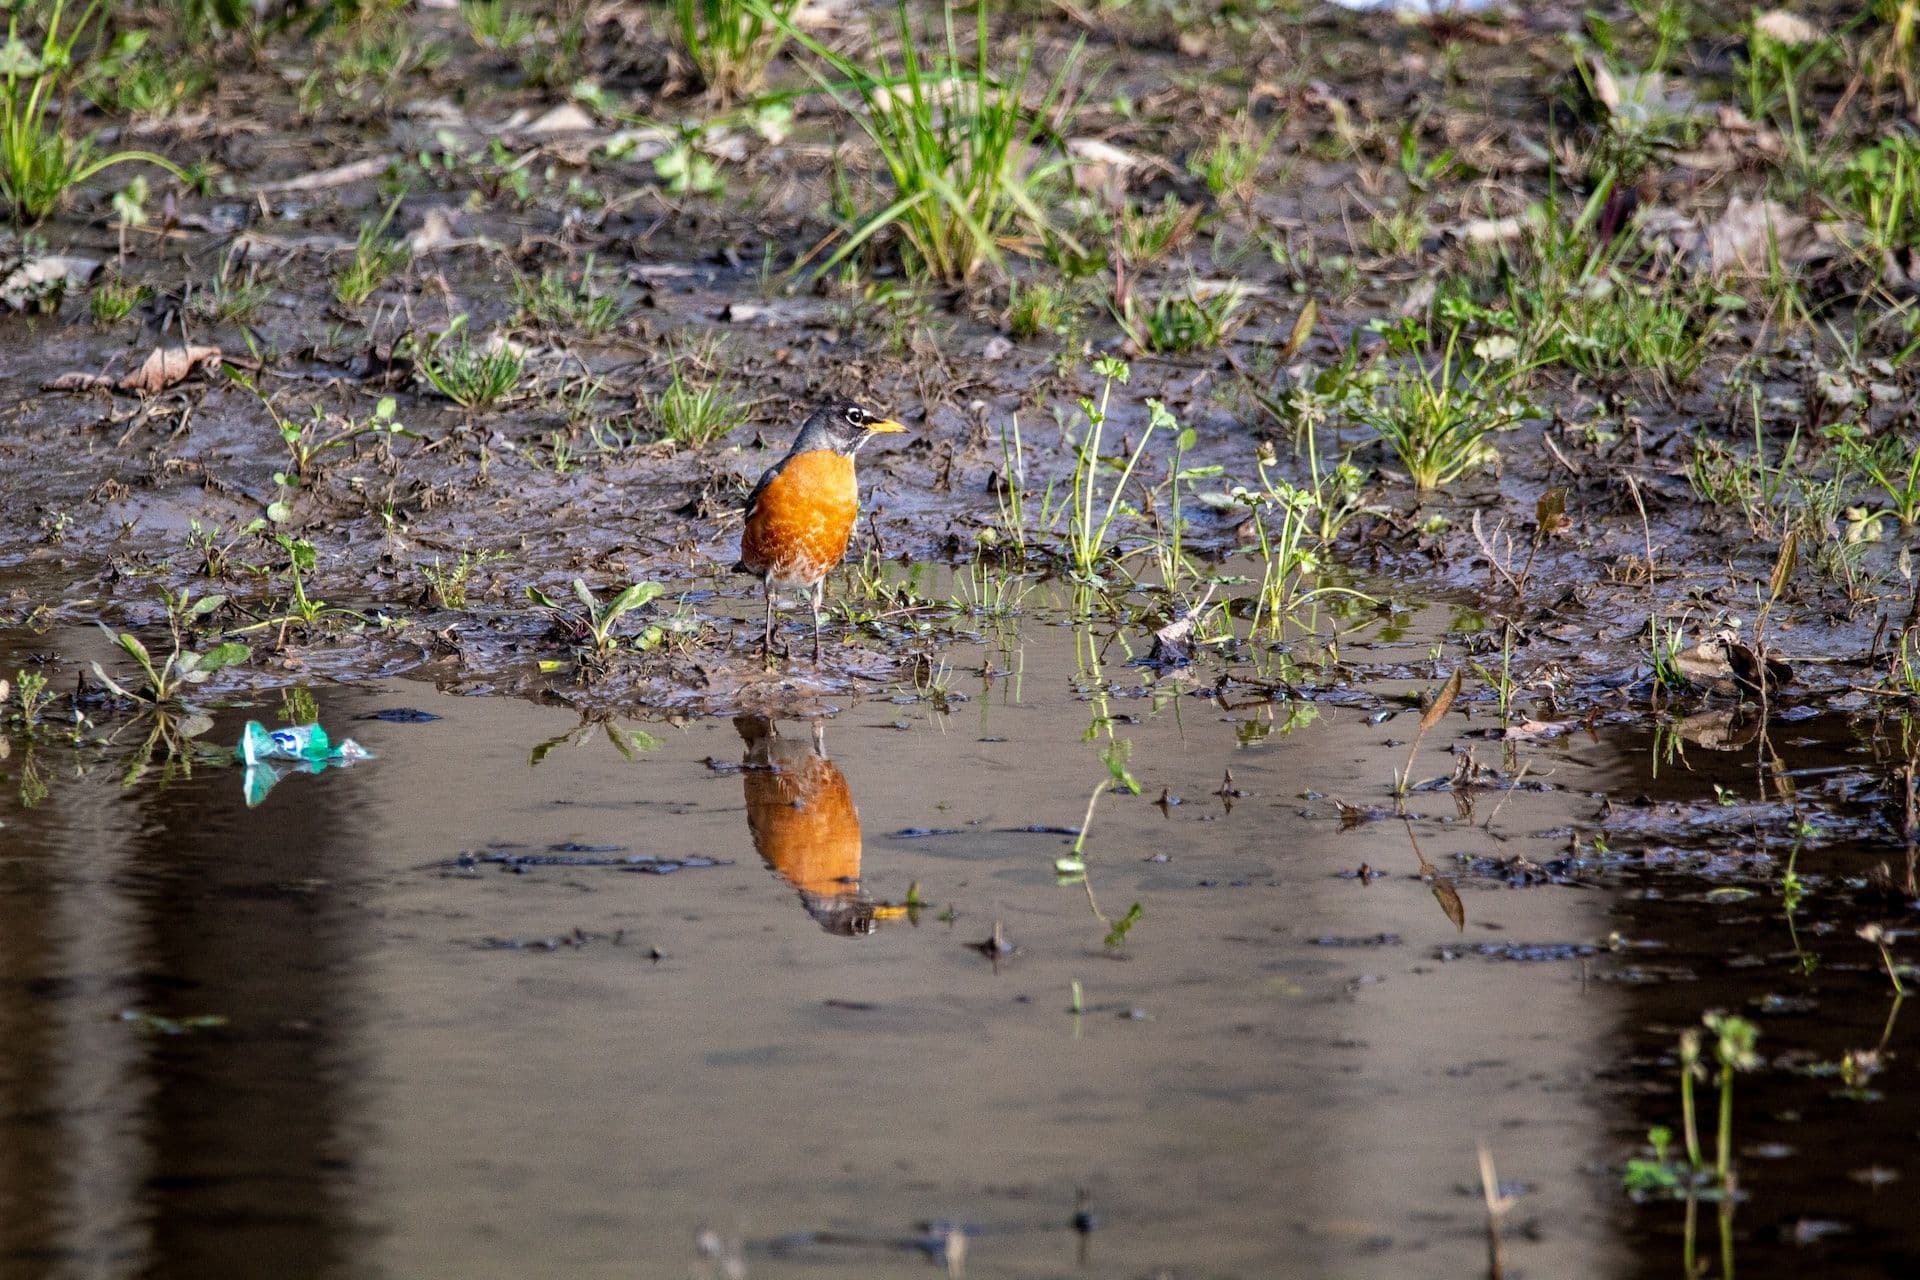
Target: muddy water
459	1012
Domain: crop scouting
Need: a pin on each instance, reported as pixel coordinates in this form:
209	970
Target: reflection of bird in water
805	826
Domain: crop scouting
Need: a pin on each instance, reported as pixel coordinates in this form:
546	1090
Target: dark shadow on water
175	1001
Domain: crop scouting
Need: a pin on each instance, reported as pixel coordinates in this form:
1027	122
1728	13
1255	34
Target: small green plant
370	65
1734	1049
235	294
1436	417
41	157
1895	468
168	680
685	168
447	584
1040	308
966	150
114	299
732	42
1230	164
591	626
30	695
1178	323
1147	235
302	558
1662	1175
499	25
375	259
474	375
214	547
134	77
687	412
1881	187
555	302
989	590
307	442
1090	521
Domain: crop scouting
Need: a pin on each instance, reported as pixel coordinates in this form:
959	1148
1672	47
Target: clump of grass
41	158
137	78
500	25
964	151
555	302
1576	299
732	42
369	68
1436	417
1881	187
1147	235
114	299
1230	164
695	413
234	295
1177	323
375	259
1039	308
474	375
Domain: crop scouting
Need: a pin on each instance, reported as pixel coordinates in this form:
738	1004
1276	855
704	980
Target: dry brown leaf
168	366
76	382
1532	729
1302	329
1449	899
1441	704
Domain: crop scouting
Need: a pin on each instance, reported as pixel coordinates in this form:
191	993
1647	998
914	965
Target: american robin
801	814
801	514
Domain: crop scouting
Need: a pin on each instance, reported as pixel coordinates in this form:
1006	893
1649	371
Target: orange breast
800	526
804	823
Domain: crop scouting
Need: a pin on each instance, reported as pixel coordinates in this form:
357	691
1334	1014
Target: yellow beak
884	426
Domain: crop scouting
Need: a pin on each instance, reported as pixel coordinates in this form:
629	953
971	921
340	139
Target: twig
1493	558
1497	1206
1646	530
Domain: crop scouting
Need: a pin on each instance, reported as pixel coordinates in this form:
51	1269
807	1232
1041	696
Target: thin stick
1497	1206
1646	530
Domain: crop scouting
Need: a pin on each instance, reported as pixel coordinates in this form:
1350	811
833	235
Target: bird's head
842	426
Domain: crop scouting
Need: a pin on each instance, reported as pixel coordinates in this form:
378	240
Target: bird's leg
819	595
766	640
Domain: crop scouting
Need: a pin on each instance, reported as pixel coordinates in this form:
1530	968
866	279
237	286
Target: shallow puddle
527	995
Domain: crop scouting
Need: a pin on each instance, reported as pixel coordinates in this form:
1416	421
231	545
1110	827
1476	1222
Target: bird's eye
855	414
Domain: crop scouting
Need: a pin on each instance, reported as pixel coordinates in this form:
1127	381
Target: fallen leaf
168	366
1302	329
1449	899
1528	730
1442	703
76	382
